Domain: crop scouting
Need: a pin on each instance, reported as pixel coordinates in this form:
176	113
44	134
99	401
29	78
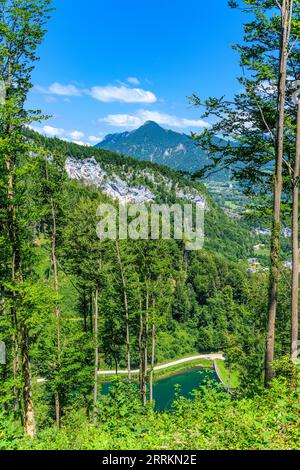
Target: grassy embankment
229	377
176	369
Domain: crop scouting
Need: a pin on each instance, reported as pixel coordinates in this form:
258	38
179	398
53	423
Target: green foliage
155	300
248	122
214	421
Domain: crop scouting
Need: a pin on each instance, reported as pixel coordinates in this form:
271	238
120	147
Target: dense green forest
73	304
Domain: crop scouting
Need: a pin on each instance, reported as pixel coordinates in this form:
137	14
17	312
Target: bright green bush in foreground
215	420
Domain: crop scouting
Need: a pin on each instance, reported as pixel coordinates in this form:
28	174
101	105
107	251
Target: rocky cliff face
122	185
90	172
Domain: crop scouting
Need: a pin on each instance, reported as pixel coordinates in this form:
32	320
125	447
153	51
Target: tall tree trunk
185	258
15	255
116	363
56	310
125	296
91	313
276	228
96	328
295	246
20	330
146	348
141	367
153	350
15	273
85	312
30	426
15	367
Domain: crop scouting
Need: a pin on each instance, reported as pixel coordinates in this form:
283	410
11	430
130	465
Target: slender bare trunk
96	327
20	329
91	313
30	426
85	312
185	258
295	246
153	350
56	311
125	296
276	229
146	348
15	255
141	368
116	364
15	269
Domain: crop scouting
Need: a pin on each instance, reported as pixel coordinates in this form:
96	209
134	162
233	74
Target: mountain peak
159	145
149	128
151	124
149	131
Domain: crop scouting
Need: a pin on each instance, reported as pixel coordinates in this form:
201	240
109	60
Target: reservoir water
164	390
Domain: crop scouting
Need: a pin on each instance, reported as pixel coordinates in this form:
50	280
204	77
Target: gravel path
210	357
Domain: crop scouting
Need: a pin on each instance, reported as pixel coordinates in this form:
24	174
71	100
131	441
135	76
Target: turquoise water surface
164	390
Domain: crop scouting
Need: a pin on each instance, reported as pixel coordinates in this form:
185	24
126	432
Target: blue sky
108	66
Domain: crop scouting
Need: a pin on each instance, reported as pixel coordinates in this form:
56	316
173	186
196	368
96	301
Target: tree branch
292	46
265	121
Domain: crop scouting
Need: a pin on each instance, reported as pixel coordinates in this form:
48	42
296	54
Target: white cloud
62	134
108	94
76	135
94	139
60	90
53	131
171	120
134	121
122	120
80	142
69	136
133	80
64	90
267	87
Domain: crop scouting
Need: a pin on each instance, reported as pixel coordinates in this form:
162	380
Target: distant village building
254	265
285	232
254	261
259	247
263	231
252	269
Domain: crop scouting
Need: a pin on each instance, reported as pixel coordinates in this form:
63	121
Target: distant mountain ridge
153	143
129	180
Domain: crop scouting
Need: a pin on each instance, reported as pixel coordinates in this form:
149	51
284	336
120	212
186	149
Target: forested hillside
124	178
89	324
94	304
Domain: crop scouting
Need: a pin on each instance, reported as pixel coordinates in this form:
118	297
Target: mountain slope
166	147
127	179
